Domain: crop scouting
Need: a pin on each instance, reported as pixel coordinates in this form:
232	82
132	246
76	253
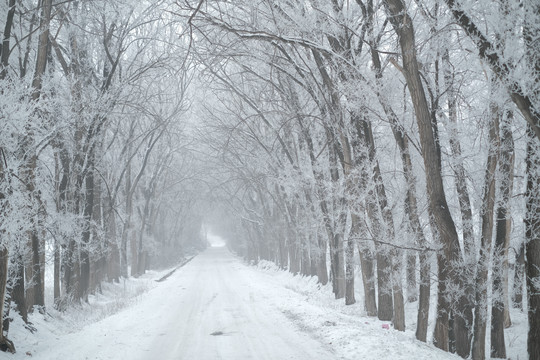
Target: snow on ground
362	337
55	324
217	307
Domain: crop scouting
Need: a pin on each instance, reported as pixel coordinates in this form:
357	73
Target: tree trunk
69	261
480	310
399	303
61	206
39	296
366	264
113	262
424	297
84	284
412	288
305	268
322	270
532	248
56	271
313	256
294	261
349	273
4	49
5	344
384	286
499	275
531	29
17	292
144	219
519	270
450	257
337	264
126	230
337	259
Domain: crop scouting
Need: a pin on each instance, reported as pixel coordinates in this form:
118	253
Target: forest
398	140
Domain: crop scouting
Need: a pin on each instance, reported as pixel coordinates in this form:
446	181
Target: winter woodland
395	139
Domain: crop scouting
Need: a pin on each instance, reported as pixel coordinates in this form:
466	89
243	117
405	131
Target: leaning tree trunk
450	256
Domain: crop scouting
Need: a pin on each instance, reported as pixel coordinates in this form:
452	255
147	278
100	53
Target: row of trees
95	172
403	135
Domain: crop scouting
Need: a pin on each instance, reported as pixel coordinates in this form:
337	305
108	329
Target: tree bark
532	247
450	257
43	46
366	265
84	284
531	29
502	239
480	310
412	287
4	49
17	291
349	273
519	270
322	270
5	344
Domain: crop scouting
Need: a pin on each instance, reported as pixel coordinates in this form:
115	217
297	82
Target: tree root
6	345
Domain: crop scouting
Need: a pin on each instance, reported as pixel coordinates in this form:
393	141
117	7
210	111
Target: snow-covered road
215	307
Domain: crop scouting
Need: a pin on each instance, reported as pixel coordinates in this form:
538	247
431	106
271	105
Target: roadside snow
357	336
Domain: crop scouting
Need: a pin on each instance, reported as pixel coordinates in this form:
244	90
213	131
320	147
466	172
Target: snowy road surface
213	294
